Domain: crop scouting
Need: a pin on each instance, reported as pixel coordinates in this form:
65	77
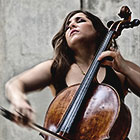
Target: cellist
75	46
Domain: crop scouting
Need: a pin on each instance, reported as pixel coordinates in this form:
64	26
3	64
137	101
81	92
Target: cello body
102	115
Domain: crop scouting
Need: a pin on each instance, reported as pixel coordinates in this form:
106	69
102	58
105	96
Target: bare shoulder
42	70
46	65
37	77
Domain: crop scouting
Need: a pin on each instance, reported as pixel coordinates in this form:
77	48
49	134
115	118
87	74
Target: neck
85	54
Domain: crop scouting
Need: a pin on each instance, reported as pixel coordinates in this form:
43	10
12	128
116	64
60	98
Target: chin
75	40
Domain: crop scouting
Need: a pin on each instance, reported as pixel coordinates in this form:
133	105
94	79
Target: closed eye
79	19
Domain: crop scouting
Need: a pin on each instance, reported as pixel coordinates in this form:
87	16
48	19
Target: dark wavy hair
64	56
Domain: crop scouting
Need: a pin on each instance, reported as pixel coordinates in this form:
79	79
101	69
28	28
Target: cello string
85	85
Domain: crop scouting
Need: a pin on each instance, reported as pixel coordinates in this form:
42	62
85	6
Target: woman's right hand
23	112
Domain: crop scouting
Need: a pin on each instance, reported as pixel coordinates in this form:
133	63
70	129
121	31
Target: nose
72	25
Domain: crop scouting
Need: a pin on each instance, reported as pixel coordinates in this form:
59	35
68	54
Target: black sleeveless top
111	79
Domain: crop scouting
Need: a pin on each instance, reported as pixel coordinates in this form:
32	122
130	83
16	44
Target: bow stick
10	116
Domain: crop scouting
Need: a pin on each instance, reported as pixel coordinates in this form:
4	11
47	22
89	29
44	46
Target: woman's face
79	28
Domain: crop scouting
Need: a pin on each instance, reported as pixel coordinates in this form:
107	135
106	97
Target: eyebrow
77	18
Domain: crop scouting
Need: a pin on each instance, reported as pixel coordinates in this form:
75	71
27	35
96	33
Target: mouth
73	32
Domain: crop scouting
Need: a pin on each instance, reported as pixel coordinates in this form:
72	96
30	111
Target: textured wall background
26	30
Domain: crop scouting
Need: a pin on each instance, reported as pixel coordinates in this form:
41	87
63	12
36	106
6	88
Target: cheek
89	30
67	38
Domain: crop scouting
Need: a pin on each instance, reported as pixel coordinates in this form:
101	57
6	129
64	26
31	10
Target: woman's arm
130	70
17	88
133	77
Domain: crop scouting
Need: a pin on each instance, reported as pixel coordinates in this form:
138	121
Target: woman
75	46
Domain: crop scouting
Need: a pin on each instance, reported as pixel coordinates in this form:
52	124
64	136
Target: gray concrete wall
26	30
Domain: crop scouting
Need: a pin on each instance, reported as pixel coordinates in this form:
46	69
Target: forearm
133	80
14	91
18	101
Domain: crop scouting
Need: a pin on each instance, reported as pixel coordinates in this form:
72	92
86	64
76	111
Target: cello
91	110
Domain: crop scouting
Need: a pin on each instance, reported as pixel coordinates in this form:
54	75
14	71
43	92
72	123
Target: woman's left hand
130	70
118	62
